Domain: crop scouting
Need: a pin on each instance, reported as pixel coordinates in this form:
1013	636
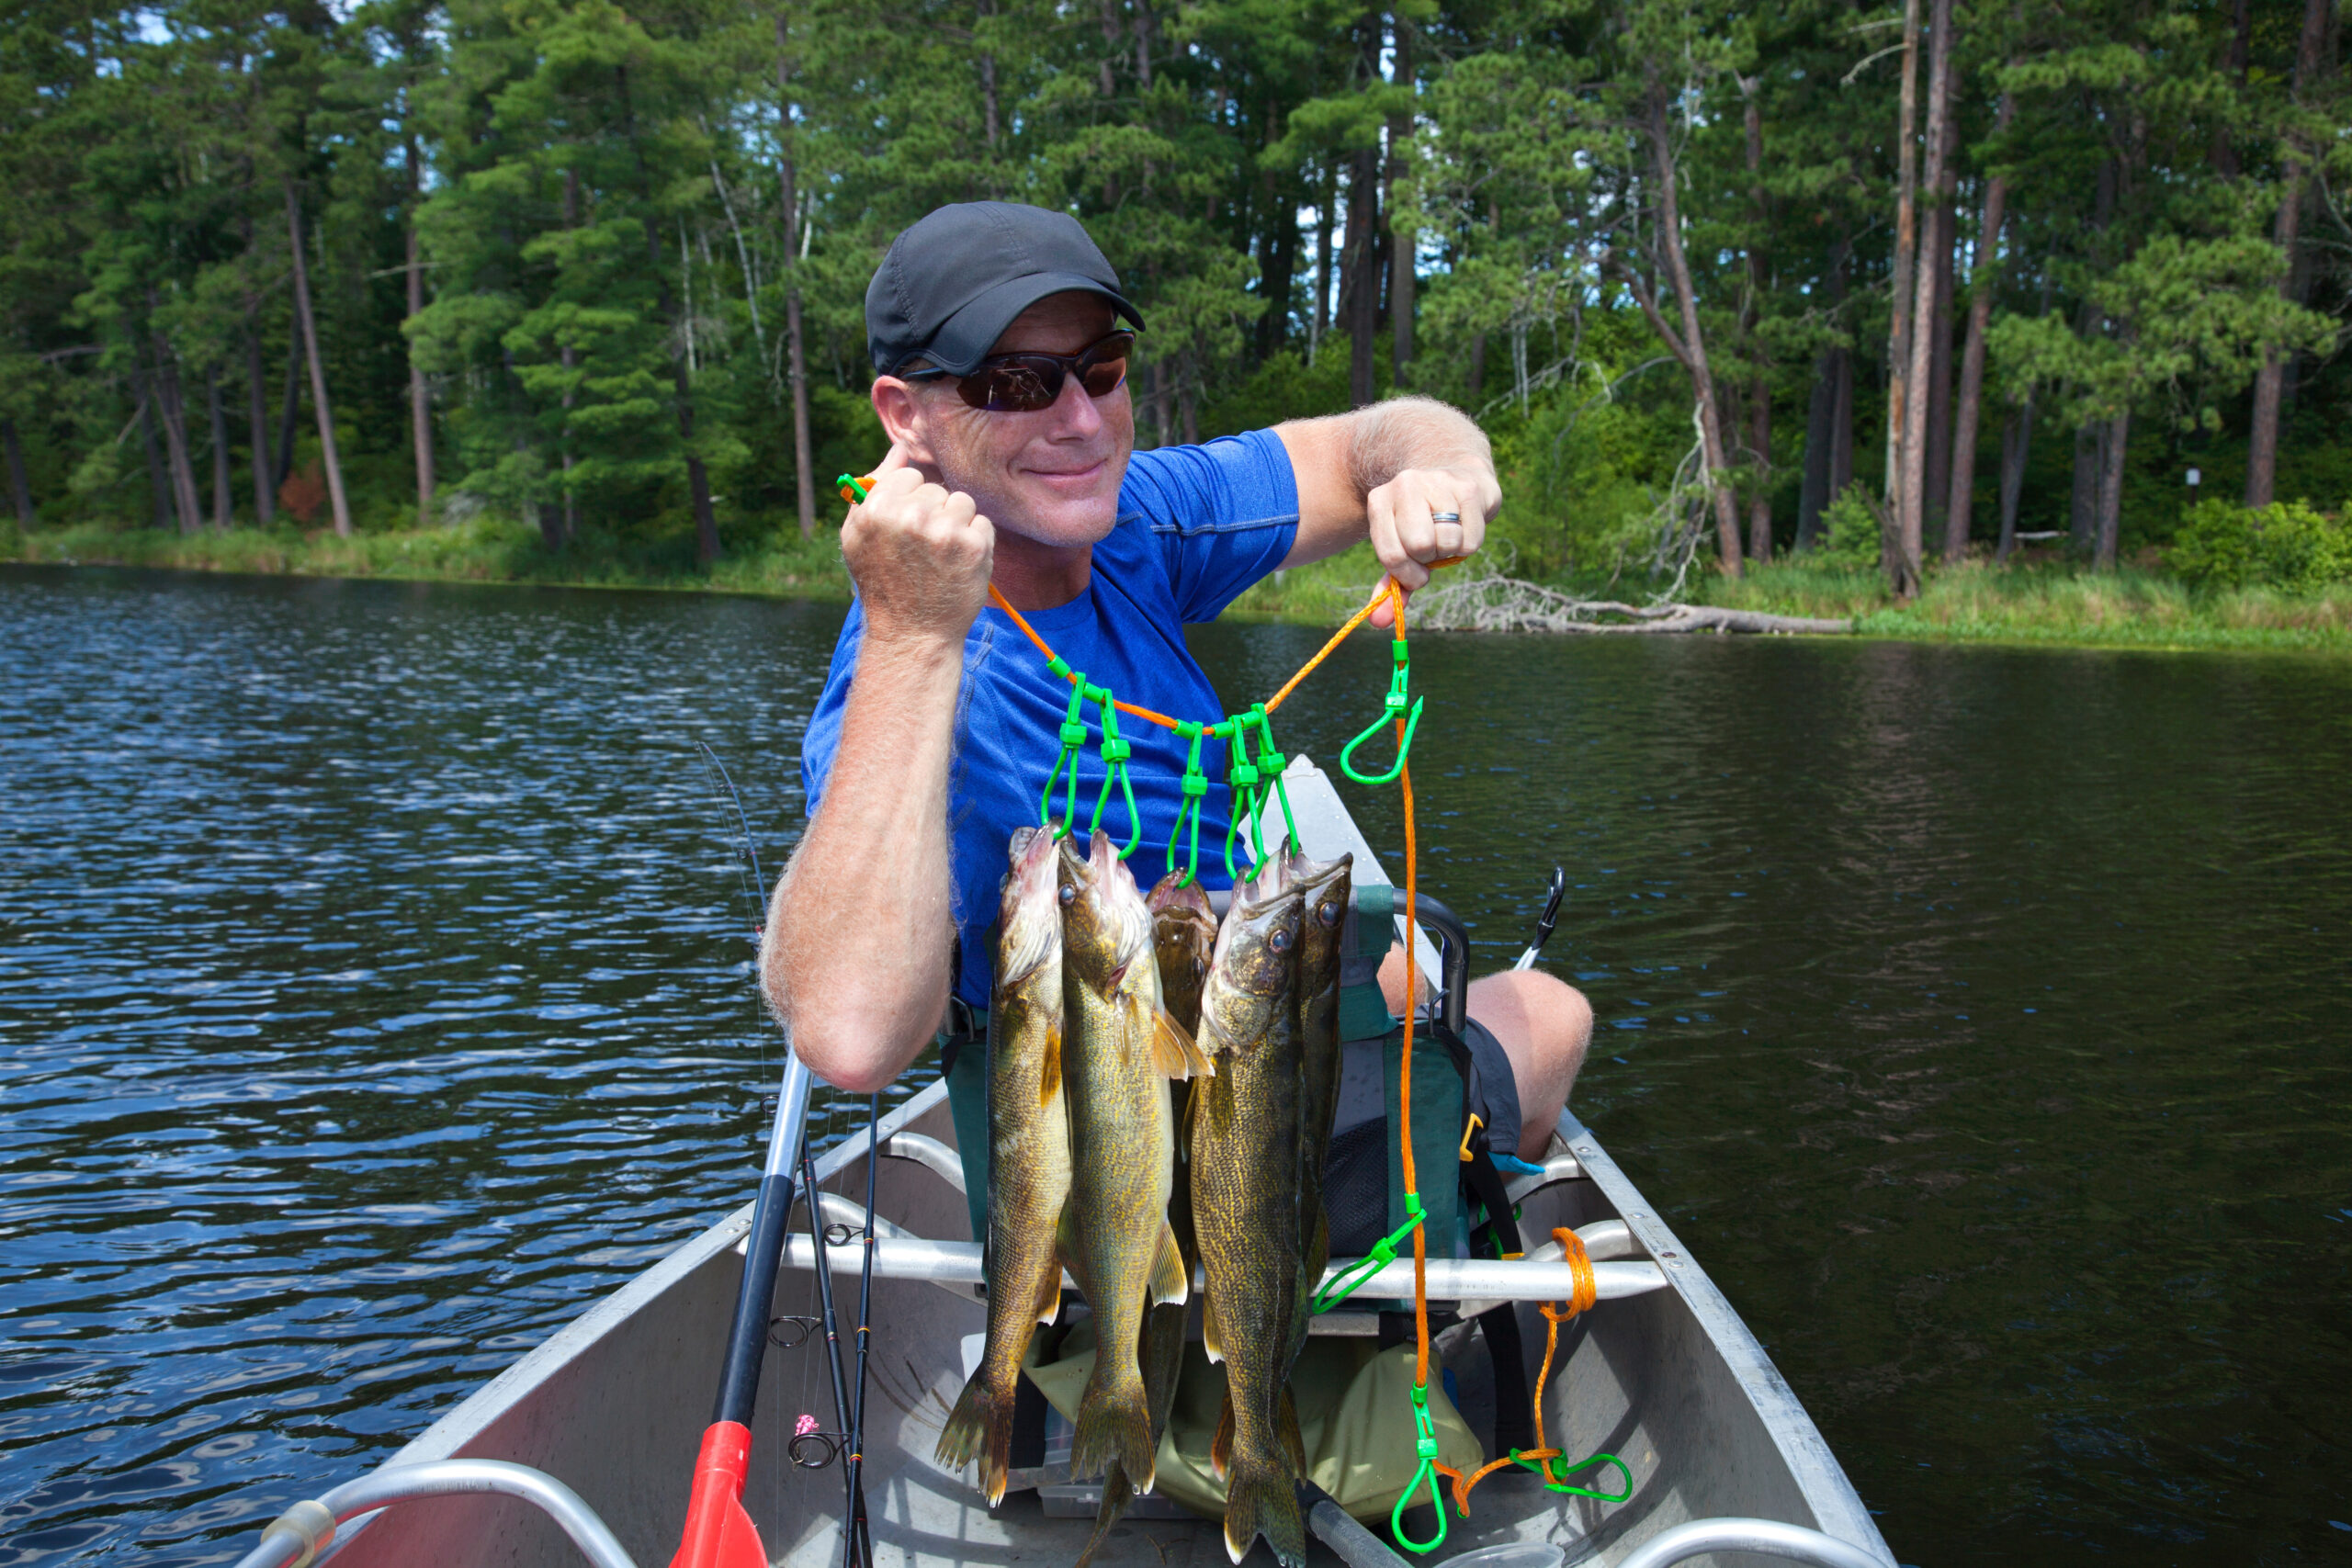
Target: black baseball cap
953	281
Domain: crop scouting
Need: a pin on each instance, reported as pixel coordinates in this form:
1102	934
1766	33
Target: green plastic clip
1188	815
1543	1468
1383	1253
1398	703
1115	753
1424	1444
1273	764
1073	736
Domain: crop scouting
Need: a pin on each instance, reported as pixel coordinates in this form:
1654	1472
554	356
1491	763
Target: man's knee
1544	1027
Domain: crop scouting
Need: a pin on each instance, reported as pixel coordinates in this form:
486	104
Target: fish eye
1279	941
1069	894
1327	911
1200	969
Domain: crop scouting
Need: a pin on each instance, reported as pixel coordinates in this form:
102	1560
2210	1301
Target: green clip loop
1383	1253
1188	815
1273	764
1399	704
1544	1469
1241	778
1116	753
1073	736
1425	1444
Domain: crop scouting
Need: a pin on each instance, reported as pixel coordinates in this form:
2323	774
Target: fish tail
980	1425
1262	1499
1116	1494
1114	1428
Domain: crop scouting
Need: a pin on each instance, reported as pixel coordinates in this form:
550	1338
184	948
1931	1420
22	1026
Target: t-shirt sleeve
1222	514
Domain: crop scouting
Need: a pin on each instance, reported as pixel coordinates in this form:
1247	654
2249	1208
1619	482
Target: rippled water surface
375	993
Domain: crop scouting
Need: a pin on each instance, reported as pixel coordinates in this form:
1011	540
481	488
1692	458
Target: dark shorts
1355	1180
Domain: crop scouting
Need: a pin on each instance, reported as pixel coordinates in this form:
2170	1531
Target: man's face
1052	476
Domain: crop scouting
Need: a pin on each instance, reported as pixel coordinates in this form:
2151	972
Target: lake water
375	993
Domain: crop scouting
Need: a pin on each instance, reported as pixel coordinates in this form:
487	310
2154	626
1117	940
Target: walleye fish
1119	1051
1325	886
1184	938
1245	1164
1029	1156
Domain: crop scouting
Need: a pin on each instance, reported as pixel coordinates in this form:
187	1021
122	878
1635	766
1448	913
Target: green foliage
1851	532
2286	545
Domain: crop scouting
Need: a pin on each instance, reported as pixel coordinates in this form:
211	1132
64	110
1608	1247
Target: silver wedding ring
1445	517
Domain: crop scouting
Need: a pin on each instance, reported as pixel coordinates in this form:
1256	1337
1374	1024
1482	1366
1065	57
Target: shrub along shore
2046	600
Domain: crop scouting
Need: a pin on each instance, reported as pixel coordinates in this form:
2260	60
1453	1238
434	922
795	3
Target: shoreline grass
2045	603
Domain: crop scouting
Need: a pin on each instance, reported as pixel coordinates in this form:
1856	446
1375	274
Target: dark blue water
375	993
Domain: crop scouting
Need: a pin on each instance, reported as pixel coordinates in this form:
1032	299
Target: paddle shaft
747	1340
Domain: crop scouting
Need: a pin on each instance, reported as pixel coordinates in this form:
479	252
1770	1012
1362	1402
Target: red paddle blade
720	1534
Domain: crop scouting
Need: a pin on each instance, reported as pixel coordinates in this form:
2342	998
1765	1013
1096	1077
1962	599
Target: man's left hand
1429	514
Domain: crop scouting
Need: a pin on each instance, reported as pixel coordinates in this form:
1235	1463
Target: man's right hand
920	554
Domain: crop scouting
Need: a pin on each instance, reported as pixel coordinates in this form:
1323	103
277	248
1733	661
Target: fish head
1255	970
1029	915
1104	924
1183	934
1326	886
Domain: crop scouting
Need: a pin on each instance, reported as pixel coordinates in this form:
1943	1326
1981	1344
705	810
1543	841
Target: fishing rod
1549	918
858	1548
817	1241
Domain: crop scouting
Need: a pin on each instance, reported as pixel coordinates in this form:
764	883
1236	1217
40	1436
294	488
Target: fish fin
1113	1428
1117	1494
1049	1067
1212	1335
1286	1423
981	1426
1173	1052
1162	1354
1260	1500
1171	1281
1221	1445
1049	1291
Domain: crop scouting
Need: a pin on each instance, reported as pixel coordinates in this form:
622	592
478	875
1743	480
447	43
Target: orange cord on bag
1587	1292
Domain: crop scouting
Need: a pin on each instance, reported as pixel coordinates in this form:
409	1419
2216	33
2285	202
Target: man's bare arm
1380	473
855	955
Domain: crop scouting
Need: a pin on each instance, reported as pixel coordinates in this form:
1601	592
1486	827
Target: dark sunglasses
1023	383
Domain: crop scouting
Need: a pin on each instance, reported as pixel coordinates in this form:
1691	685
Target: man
995	333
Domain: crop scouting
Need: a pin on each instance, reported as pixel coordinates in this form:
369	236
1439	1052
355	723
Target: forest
1894	284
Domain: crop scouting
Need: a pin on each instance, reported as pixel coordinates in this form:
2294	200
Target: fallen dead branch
1499	604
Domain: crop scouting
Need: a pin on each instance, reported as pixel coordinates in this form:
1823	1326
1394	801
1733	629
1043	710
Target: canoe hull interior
615	1403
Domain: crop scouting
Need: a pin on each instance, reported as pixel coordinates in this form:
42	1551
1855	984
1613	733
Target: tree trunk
257	422
1760	367
1942	246
989	110
20	488
319	404
1911	507
1360	294
2114	436
219	417
420	397
1477	365
681	385
1320	322
2270	382
174	421
2225	147
1404	238
159	480
804	461
1692	348
1281	266
1984	279
1841	428
1898	329
289	409
2016	434
1813	492
1187	398
2082	514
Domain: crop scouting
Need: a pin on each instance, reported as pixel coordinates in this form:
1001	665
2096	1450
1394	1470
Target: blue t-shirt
1198	525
